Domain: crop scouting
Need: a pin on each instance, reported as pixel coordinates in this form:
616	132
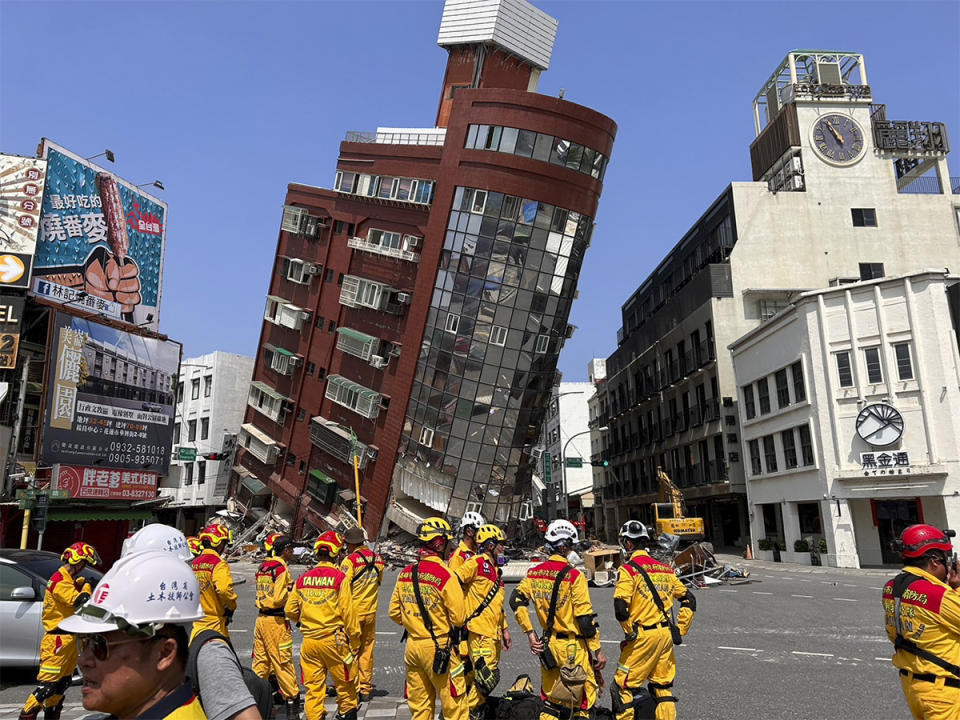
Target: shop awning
322	477
74	515
254	485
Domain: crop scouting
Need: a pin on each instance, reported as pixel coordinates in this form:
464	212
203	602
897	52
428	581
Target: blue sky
226	103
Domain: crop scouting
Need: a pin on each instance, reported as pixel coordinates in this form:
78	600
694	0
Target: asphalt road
797	643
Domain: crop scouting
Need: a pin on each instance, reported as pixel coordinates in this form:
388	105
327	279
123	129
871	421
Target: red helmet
329	542
80	552
194	544
920	539
216	534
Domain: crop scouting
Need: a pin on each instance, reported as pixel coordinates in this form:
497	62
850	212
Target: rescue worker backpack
520	702
258	687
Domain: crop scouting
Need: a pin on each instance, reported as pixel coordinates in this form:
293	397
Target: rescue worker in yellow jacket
646	652
272	640
217	595
573	638
469	524
322	605
67	590
486	624
922	609
434	668
364	571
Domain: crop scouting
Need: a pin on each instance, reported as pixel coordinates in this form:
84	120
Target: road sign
43	500
574	462
186	454
547	468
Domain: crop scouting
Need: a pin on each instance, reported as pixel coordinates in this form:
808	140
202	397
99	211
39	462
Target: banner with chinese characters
892	462
21	190
96	483
110	397
101	240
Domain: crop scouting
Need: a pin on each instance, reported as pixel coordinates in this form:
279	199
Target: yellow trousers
424	686
368	638
648	658
486	649
58	659
273	653
569	652
931	701
320	657
210	622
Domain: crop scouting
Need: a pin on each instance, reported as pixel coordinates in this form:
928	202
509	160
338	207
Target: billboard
96	483
101	240
11	311
110	397
21	191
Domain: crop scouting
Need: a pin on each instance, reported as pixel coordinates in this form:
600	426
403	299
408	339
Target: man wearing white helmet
133	635
642	603
569	649
157	536
469	524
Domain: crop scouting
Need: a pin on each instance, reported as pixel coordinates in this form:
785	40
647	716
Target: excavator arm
670	493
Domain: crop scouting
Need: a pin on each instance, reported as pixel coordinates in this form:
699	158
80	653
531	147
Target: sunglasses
100	646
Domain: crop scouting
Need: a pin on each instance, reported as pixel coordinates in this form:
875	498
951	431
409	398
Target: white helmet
561	531
141	592
472	519
634	530
158	537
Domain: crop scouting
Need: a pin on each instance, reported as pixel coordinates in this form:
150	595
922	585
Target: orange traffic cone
749	553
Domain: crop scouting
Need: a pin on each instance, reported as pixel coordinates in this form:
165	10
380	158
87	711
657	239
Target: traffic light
601	463
215	456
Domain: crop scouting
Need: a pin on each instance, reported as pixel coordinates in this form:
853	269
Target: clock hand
837	135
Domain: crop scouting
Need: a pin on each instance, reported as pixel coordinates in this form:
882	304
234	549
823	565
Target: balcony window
280	312
292	219
360	292
337	441
344	392
263	447
280	360
268	402
356	343
321	486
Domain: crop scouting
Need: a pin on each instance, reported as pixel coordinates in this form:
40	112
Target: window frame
840	370
908	366
877	364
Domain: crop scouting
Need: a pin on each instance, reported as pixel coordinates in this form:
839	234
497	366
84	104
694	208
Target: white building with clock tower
840	194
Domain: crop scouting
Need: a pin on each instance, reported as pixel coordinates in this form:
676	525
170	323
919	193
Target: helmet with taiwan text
276	543
139	594
918	540
80	552
329	542
216	535
433	528
157	536
490	533
473	520
634	530
196	547
560	532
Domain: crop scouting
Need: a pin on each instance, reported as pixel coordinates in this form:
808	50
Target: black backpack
258	687
520	702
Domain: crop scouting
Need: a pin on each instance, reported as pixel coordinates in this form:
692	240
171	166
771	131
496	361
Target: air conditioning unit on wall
403	298
378	361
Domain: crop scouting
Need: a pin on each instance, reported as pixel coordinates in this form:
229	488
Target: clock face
880	424
838	139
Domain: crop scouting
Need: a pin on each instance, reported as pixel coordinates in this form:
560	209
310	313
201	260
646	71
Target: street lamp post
563	467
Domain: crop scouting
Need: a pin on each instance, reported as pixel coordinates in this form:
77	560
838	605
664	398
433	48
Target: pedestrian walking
272	639
922	619
428	602
569	649
132	636
322	604
66	591
217	595
642	603
486	624
469	524
364	574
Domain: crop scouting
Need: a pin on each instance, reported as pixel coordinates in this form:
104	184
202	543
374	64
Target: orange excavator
668	512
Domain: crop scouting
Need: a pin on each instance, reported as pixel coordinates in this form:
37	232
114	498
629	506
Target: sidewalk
753	565
385	708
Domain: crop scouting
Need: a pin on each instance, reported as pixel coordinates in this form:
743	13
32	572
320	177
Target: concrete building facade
849	405
566	426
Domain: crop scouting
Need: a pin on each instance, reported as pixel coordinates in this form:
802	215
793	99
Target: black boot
293	708
28	716
53	713
349	715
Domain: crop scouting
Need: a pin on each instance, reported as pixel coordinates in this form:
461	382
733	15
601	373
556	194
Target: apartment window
498	335
303	467
543	342
301	415
291	459
176	433
453	322
192	431
871	271
864	217
426	436
904	366
341	227
328	277
748	403
769	308
874	372
189	471
201	473
806	445
331	326
208	385
320	321
789	448
763	395
195	389
180	392
311	368
844	373
783	388
755	468
769	453
799	392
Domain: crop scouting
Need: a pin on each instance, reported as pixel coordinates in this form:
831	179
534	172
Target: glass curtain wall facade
497	321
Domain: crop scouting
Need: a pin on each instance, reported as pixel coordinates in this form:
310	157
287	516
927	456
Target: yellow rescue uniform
480	579
58	650
217	595
364	573
648	656
181	704
272	640
443	601
321	602
460	556
575	639
930	618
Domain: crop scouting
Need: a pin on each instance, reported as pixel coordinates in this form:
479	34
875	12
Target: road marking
847	585
803	596
728	647
800	652
803	580
827	582
845	599
785	577
726	590
386	632
760	592
886	659
610	642
876	588
235	630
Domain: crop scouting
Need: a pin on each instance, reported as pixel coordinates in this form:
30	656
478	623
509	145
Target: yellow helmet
80	552
194	544
490	532
329	542
216	534
432	528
